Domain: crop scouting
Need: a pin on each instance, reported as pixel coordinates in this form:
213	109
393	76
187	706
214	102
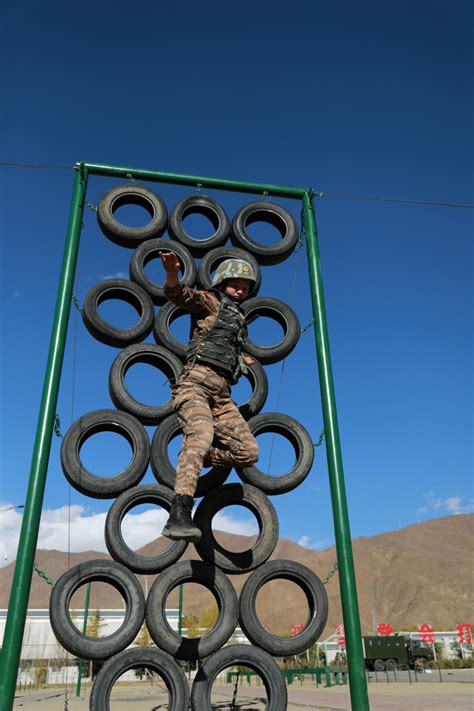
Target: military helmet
234	269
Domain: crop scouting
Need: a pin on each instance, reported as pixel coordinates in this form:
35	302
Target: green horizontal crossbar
194	180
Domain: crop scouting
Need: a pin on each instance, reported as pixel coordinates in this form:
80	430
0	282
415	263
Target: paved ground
400	696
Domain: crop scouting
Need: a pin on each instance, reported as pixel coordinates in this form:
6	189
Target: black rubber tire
274	215
126	291
151	250
258	380
162	332
118	549
199	205
212	259
301	442
131	195
246	656
136	658
282	314
316	596
67	633
255	501
192	571
391	665
104	487
159	357
379	665
164	471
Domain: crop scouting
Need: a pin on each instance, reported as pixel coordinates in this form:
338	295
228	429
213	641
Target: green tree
209	617
190	623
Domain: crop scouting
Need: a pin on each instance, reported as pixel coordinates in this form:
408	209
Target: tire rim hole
238	521
126	691
104	600
200	612
200	224
180	327
281	605
264	232
119	313
140	526
242	391
106	454
265	332
258	700
276	454
133	215
147	384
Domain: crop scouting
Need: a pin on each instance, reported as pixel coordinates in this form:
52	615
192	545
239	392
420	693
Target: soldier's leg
234	445
194	414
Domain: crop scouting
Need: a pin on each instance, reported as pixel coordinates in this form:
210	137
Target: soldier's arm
189	299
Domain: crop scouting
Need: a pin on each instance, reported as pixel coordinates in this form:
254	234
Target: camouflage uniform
215	433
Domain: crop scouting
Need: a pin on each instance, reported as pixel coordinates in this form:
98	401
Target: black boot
180	526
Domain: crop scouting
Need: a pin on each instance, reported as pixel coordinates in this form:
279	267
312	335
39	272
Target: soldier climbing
214	431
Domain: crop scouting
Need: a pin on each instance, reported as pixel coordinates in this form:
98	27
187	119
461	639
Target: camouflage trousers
213	428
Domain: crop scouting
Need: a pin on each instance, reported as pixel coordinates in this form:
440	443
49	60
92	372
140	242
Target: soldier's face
237	289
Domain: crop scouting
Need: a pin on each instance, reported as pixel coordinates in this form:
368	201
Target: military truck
395	652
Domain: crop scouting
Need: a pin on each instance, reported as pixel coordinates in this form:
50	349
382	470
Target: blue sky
349	99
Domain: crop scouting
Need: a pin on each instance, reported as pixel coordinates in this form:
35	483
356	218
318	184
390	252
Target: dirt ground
400	696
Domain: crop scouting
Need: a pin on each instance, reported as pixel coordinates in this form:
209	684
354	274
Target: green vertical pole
180	610
84	630
18	604
350	609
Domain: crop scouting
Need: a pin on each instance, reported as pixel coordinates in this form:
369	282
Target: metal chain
332	572
42	575
265	195
57	426
320	440
131	178
308	325
198	188
90	206
76	303
234	698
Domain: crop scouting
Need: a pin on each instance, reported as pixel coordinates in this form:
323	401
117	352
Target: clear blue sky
358	99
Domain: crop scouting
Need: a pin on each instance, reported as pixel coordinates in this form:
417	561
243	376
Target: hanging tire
191	571
150	250
67	633
162	331
316	596
104	487
164	471
272	214
212	259
240	655
255	501
199	205
119	550
125	291
122	195
301	442
137	658
282	314
258	380
166	362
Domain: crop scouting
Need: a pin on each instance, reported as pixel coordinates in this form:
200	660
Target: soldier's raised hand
170	262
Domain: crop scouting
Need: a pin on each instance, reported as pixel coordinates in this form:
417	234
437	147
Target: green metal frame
18	603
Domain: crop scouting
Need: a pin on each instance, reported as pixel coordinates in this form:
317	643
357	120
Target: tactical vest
220	347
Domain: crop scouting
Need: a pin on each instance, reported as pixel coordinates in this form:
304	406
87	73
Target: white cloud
306	542
453	505
76	529
118	275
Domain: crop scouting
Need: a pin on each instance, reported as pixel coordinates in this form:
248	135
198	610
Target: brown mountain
422	573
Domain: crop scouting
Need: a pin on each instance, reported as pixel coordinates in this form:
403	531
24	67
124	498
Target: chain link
302	236
308	325
332	572
76	303
131	178
198	188
42	575
57	426
90	206
320	440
